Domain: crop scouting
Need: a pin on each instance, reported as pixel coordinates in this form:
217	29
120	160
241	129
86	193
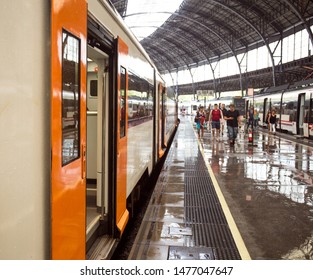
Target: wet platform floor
267	186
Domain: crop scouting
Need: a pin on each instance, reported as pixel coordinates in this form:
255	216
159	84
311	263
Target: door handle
83	166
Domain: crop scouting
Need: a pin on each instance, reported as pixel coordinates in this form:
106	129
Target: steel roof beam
169	58
218	22
261	14
192	43
301	17
207	28
256	30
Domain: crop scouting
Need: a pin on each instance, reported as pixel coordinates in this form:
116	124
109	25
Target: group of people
216	118
271	120
253	119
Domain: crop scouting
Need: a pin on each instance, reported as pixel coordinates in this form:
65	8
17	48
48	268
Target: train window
94	88
70	98
140	92
123	103
290	106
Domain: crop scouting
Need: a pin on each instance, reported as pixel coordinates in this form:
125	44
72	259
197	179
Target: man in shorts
215	117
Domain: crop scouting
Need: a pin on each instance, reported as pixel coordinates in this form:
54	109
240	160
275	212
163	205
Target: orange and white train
85	117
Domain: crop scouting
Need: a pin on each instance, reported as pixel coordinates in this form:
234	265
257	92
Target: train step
103	248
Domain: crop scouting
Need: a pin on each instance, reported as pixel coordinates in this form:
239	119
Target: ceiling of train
202	31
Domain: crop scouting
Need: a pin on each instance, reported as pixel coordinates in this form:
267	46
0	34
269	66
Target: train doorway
301	114
267	108
97	144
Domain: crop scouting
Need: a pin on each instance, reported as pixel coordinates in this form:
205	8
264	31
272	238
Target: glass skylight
145	16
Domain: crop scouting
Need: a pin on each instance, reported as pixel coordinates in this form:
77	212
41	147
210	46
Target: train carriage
85	124
293	105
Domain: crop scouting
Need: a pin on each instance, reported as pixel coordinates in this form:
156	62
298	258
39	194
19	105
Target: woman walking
200	118
272	122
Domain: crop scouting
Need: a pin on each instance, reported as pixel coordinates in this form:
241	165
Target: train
86	118
293	104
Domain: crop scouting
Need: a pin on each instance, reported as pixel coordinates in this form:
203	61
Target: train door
164	117
310	117
68	129
266	109
120	191
97	144
301	114
161	120
248	105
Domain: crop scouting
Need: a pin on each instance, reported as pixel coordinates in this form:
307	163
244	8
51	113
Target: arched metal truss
216	29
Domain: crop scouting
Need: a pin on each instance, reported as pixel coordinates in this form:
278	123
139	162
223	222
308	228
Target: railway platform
186	216
215	201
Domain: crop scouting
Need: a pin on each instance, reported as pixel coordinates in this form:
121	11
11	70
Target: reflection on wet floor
184	219
268	186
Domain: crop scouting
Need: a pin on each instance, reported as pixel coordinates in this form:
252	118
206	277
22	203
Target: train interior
96	195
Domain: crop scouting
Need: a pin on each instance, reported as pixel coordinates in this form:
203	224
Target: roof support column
213	73
193	84
240	74
257	31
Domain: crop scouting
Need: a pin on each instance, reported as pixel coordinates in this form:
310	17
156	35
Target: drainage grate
204	214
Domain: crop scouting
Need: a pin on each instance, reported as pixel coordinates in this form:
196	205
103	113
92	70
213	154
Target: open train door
301	114
121	101
68	128
266	109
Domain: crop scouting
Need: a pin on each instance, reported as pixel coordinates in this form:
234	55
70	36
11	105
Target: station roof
203	31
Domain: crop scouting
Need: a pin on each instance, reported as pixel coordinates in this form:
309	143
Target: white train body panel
139	156
25	130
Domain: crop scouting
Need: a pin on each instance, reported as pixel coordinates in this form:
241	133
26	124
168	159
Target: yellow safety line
229	217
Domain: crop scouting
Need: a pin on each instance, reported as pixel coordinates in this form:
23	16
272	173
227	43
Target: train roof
286	87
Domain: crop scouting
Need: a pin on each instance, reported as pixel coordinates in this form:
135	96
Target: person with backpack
215	118
200	119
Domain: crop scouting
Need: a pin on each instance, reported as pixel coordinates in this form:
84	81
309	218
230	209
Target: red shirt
216	115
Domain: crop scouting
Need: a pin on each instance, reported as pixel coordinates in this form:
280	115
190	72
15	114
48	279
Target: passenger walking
207	116
232	118
250	118
215	116
272	119
223	109
256	118
200	118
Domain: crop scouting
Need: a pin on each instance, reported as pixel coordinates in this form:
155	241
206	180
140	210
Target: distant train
85	120
293	105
